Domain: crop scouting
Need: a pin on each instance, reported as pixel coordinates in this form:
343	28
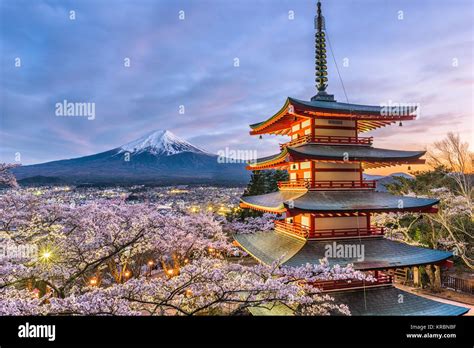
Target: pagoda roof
336	201
370	116
272	202
370	156
386	301
377	301
358	109
354	152
379	253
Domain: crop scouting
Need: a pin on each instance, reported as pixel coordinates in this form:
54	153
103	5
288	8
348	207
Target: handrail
327	184
327	285
348	232
306	232
295	228
329	139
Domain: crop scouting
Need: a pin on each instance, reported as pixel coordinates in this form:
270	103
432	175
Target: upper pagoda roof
379	253
336	201
368	116
372	157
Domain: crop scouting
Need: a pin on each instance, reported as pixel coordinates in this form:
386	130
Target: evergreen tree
256	186
265	181
261	182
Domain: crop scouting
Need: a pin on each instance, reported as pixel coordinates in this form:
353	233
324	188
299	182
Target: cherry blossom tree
251	224
113	258
6	176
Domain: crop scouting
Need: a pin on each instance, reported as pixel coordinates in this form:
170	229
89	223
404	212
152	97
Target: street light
46	255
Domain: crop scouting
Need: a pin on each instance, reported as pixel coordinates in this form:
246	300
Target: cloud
190	63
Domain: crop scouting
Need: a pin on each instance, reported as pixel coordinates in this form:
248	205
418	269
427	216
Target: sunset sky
426	58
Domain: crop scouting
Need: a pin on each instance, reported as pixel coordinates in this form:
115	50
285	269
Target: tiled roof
338	201
379	253
321	105
392	301
353	153
344	201
342	152
271	201
383	301
334	106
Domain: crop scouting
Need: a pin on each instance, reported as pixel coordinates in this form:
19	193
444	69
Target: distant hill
159	157
383	180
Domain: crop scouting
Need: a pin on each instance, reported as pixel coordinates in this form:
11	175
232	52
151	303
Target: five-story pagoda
326	200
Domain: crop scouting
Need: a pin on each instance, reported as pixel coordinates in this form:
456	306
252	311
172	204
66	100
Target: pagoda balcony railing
329	139
327	184
331	285
292	228
306	232
347	232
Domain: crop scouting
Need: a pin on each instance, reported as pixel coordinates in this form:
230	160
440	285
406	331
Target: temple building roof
379	252
355	153
386	301
369	117
370	156
358	109
336	201
383	301
272	202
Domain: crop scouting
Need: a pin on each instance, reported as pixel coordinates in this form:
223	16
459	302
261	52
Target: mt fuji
159	157
160	142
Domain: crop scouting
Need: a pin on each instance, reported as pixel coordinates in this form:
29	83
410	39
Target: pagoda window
294	166
293	176
337	166
305	220
295	128
306	123
330	128
305	165
323	223
337	175
307	175
307	131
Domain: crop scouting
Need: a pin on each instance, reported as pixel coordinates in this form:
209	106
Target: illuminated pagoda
327	200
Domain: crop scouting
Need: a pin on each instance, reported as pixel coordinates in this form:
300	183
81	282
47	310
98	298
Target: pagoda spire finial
320	56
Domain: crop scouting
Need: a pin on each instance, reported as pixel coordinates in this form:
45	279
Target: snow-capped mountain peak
160	142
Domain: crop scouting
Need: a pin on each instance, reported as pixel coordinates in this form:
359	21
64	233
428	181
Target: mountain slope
159	157
383	180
